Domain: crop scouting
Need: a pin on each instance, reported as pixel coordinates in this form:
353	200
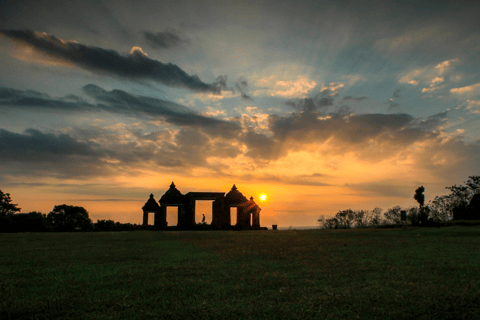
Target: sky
321	106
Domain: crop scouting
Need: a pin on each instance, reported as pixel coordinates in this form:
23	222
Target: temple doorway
203	207
233	216
172	216
151	219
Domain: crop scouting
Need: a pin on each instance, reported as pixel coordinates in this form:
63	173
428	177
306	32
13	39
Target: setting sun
263	197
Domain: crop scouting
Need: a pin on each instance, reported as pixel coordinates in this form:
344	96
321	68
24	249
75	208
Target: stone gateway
248	212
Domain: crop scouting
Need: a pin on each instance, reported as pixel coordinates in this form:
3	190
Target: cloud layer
118	102
135	66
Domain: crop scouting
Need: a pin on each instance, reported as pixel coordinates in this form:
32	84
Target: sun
263	197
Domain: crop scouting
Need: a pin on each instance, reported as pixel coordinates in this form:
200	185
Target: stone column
256	219
145	218
162	221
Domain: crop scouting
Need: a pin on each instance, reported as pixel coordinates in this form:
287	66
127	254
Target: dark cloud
299	180
396	94
382	189
392	103
241	86
135	66
354	99
35	146
41	101
370	136
34	153
319	102
119	102
261	146
97	151
164	40
122	102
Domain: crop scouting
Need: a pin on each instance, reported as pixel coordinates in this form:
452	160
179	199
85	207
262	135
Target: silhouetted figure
203	219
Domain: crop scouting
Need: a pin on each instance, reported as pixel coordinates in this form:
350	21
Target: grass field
412	273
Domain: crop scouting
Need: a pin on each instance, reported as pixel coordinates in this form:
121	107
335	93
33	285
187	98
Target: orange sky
307	102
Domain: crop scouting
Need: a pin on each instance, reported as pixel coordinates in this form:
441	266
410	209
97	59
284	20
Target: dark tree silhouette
28	222
69	218
456	203
6	205
7	211
419	196
424	211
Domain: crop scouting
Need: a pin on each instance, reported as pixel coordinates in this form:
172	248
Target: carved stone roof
249	205
235	197
151	204
172	195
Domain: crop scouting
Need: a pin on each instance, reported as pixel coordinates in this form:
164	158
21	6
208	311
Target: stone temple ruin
248	212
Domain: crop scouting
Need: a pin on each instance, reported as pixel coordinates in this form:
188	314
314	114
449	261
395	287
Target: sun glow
263	197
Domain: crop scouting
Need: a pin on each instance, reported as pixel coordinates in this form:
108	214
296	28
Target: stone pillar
256	219
181	216
214	212
161	222
190	213
157	220
145	218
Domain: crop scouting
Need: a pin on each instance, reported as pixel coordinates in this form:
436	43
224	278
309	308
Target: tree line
454	205
63	218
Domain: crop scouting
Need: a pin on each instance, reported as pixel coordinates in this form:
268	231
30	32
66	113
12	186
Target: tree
458	199
331	223
6	205
376	216
393	215
345	218
419	196
69	218
28	222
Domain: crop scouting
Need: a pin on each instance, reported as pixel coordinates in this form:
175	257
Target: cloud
300	87
411	77
444	65
320	101
370	136
96	151
36	100
392	103
118	102
434	85
382	189
241	86
134	66
332	87
34	146
164	40
347	98
437	80
396	94
299	180
464	90
34	153
434	76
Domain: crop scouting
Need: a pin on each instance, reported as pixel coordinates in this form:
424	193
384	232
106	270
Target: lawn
412	273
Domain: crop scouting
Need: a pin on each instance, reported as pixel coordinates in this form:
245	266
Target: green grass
413	273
